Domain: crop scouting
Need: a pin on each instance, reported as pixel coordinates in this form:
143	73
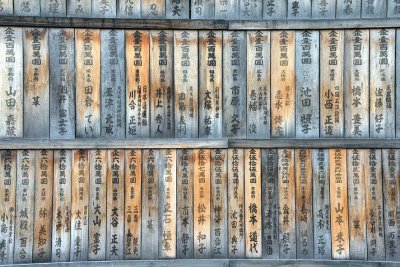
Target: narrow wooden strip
269	170
331	83
325	9
307	84
393	9
113	84
236	208
250	10
153	9
219	203
133	204
115	204
184	216
61	225
348	9
186	84
321	202
129	9
339	204
8	175
397	96
87	68
79	8
202	9
11	87
62	83
304	204
374	8
104	8
161	84
258	85
201	204
29	8
177	9
252	203
25	206
43	217
320	263
80	206
53	8
36	83
299	9
97	204
275	9
234	84
7	8
227	10
137	84
210	84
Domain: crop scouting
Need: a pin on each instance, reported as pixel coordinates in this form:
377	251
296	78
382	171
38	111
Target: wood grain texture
61	224
36	83
53	8
339	204
79	8
227	10
348	9
133	204
153	9
234	84
283	84
393	9
210	84
258	85
397	79
62	83
6	7
97	222
161	84
137	84
129	9
29	8
275	9
186	82
177	9
331	83
323	9
202	9
250	9
382	87
113	91
104	8
374	9
299	9
25	206
11	87
87	68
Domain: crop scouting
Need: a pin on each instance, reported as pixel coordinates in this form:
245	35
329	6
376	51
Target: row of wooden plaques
78	205
204	9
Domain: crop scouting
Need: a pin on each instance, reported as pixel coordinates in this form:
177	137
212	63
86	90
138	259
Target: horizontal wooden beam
198	24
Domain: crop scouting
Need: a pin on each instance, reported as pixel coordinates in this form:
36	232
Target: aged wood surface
129	9
104	8
299	9
325	9
79	8
27	8
53	8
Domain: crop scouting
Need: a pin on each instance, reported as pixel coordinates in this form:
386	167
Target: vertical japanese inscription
250	9
299	9
178	9
275	9
202	9
348	9
227	10
79	8
53	8
393	9
374	9
153	9
104	8
29	8
323	9
129	9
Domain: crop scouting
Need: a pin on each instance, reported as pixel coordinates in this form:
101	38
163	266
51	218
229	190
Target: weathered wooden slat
104	8
202	9
184	216
150	185
25	206
331	83
36	83
258	85
252	203
87	68
129	9
153	9
275	9
79	8
299	9
391	200
250	10
43	216
287	202
348	9
62	83
113	84
80	206
162	83
234	84
8	174
298	262
397	62
339	204
304	204
269	172
167	205
29	8
283	84
137	84
11	87
61	234
53	8
321	202
227	10
307	84
374	8
115	204
97	218
202	204
210	84
325	9
393	9
374	206
382	83
7	8
177	9
133	204
219	203
356	83
356	171
186	84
